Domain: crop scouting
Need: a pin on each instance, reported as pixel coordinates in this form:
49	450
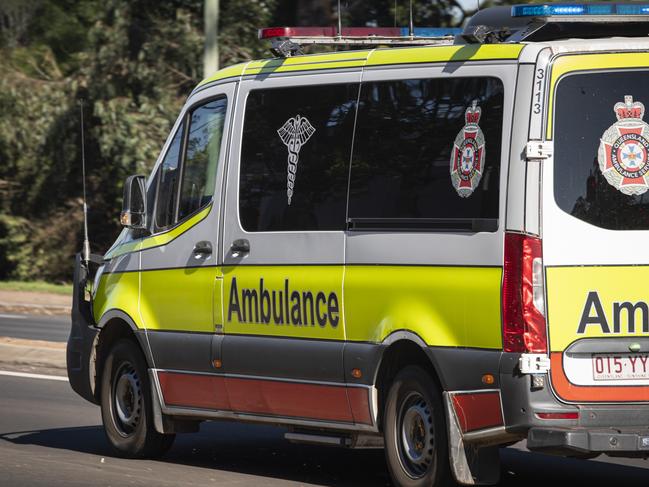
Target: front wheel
126	404
414	429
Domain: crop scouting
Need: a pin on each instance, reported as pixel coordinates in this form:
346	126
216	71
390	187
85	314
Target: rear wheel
126	404
414	428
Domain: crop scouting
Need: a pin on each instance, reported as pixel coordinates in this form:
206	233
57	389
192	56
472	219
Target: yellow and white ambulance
439	249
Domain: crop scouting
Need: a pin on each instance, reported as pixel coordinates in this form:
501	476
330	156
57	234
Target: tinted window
295	157
202	156
600	164
168	176
410	135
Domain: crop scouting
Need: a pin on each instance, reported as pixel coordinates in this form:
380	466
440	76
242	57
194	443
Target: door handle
202	249
240	246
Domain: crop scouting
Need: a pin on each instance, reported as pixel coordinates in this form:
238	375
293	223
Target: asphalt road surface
48	328
51	437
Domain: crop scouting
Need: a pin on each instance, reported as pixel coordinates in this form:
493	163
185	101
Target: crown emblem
472	114
629	109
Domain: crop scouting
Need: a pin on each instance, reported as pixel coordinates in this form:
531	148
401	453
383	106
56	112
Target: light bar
356	32
578	9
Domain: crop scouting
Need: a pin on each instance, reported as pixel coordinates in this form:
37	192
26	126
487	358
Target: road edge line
27	375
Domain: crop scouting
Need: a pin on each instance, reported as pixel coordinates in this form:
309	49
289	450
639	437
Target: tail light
523	301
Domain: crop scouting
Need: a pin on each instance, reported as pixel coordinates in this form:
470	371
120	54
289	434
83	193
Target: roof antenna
411	25
478	2
85	252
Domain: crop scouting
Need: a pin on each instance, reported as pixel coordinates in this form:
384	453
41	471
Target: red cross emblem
467	156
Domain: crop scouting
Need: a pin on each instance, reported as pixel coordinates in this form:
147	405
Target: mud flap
80	349
471	464
164	424
158	421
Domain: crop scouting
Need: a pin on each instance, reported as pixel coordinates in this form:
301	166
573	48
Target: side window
295	154
199	166
168	176
427	154
202	156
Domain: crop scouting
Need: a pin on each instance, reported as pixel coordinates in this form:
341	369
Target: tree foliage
133	62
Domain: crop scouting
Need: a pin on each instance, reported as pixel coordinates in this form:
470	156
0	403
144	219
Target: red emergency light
357	32
274	32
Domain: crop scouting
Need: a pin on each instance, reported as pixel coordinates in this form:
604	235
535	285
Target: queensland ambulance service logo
294	133
624	147
467	156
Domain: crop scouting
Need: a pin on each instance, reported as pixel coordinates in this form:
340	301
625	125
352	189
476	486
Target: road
48	328
51	437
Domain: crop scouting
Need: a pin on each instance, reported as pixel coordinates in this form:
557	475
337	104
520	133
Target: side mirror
134	206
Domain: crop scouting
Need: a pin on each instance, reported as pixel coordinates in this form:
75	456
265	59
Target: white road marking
13	317
33	376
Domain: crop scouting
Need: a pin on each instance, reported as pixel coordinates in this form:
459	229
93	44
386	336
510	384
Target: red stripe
478	410
574	393
193	390
359	401
290	399
268	397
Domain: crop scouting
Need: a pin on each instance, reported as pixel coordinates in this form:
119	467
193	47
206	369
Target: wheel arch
401	349
115	325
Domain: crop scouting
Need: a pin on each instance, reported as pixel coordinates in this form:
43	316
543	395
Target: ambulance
433	244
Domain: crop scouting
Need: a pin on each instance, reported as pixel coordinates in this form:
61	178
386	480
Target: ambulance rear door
595	227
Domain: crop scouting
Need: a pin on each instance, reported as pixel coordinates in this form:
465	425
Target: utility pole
211	55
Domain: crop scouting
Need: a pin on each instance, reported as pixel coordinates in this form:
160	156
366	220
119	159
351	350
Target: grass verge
36	286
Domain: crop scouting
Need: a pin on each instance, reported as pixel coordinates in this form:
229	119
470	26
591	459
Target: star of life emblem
468	153
295	132
624	147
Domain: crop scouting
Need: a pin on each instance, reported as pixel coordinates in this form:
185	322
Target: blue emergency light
431	31
579	9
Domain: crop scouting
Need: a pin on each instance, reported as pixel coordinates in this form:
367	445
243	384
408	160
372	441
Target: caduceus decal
294	133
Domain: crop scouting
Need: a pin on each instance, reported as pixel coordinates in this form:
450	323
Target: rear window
601	171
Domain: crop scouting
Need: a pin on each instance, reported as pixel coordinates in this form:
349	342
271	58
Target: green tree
134	63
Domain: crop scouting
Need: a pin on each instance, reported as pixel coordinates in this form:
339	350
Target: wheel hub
127	399
416	435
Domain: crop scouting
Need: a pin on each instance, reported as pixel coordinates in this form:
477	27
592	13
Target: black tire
126	404
414	429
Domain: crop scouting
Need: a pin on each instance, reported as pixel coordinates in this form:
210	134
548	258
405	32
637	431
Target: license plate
621	366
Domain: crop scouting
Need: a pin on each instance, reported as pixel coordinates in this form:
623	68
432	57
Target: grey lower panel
521	402
276	357
363	356
183	350
280	357
458	368
311	360
609	440
144	345
461	369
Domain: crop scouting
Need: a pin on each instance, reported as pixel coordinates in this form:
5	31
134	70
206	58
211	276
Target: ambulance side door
283	247
179	261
